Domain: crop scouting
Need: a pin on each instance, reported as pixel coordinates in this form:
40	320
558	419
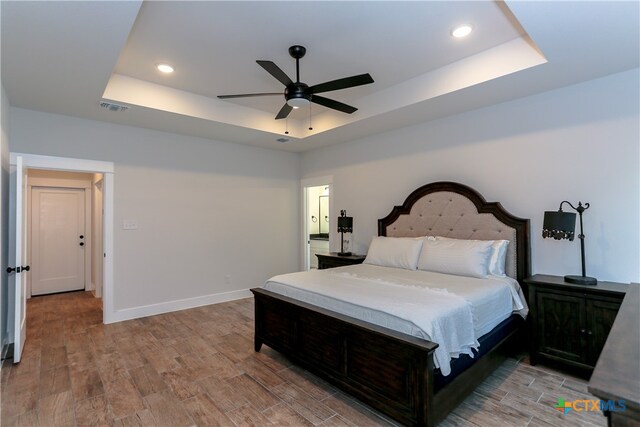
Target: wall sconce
561	225
345	225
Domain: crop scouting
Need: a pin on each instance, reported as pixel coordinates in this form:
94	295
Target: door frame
36	161
304	184
96	236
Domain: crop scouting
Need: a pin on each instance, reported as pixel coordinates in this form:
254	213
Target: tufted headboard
454	210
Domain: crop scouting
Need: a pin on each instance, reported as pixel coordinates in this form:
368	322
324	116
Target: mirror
323	219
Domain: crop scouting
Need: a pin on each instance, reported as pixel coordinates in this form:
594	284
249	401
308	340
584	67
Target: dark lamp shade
559	225
345	224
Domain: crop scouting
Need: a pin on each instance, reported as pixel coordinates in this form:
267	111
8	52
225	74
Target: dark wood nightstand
570	323
332	260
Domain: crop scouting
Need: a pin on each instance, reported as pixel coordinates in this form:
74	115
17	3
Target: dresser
617	375
570	323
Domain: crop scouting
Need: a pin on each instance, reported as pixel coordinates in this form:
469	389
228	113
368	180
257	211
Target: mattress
453	311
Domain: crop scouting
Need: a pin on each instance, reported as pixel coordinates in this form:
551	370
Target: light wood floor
198	367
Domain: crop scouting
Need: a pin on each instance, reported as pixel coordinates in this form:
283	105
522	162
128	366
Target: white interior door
58	240
19	269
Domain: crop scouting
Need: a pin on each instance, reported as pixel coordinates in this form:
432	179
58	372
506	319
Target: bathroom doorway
317	221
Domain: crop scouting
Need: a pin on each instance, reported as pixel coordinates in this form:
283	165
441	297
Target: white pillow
400	252
498	257
453	256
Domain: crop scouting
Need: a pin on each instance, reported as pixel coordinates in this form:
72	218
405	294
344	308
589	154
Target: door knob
26	268
11	269
82	236
81	243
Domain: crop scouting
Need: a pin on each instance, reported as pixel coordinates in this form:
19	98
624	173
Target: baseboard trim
177	305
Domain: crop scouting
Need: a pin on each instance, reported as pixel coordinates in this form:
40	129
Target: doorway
316	220
61	231
18	236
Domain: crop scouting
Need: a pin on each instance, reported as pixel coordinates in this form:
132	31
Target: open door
19	268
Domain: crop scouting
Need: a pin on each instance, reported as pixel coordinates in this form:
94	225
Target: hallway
52	352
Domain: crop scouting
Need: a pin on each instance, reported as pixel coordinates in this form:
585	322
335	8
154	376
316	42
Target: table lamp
561	225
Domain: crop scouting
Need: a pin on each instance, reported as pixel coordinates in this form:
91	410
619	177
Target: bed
391	370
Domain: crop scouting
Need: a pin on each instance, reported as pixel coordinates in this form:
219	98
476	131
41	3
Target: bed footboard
388	370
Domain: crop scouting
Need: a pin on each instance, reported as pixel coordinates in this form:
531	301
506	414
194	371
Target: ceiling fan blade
247	95
276	72
333	104
284	112
347	82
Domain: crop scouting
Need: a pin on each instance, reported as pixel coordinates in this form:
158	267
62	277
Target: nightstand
332	260
570	323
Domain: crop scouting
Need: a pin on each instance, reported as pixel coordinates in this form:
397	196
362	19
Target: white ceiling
64	57
214	45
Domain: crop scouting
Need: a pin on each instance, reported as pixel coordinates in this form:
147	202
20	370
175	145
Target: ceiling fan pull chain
310	128
286	126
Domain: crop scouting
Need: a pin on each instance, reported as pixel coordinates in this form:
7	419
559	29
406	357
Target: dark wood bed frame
388	370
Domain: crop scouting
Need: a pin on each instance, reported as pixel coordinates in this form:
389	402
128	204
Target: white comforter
453	311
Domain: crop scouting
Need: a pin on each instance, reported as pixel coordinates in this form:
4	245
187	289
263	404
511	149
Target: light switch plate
130	224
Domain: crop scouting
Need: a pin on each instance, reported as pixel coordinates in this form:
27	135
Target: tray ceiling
71	55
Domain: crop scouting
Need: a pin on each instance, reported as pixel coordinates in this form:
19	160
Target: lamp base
581	280
344	253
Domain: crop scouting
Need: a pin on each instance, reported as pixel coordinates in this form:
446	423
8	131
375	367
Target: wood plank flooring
198	367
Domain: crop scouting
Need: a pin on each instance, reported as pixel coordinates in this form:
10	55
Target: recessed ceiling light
462	31
165	68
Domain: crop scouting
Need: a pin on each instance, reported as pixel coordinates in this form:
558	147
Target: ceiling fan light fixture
297	102
298	94
462	31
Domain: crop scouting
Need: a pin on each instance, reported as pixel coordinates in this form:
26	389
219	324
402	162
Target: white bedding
453	311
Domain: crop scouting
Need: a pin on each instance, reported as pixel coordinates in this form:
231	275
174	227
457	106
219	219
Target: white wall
4	215
576	143
199	204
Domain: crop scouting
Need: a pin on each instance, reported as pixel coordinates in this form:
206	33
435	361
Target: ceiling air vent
113	107
283	140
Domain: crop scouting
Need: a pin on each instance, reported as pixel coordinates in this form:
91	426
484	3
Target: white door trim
35	161
304	183
96	237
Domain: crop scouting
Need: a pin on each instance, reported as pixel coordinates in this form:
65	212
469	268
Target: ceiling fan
299	94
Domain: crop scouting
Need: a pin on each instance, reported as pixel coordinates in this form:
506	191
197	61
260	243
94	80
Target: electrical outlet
130	224
227	279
